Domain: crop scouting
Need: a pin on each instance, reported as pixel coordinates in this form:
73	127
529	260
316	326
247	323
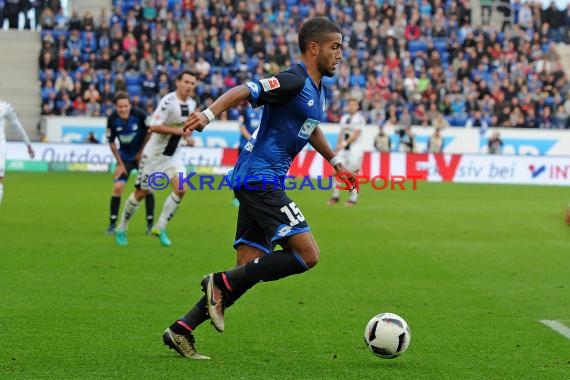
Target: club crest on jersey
307	128
269	84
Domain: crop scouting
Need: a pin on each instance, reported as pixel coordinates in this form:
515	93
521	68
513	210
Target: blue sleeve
278	90
110	129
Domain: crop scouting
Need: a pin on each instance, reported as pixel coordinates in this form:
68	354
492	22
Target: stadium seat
417	45
132	79
459	121
134	90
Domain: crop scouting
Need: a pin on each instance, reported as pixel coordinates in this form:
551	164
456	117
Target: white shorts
154	169
351	160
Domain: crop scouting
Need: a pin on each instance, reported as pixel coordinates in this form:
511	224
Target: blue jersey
130	132
251	120
293	108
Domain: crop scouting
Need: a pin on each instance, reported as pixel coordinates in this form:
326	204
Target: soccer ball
387	335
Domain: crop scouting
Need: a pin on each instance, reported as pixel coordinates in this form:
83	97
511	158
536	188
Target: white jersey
7	113
348	124
171	112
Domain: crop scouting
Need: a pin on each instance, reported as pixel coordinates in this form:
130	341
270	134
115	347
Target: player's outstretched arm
232	98
166	130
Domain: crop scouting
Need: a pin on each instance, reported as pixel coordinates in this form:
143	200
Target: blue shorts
267	217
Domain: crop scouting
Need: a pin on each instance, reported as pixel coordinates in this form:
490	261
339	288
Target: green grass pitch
472	268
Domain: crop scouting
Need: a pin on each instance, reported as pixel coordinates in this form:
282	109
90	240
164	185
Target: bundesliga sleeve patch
269	84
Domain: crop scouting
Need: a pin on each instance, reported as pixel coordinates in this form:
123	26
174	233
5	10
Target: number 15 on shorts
293	213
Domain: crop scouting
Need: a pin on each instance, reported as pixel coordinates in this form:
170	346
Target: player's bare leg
568	215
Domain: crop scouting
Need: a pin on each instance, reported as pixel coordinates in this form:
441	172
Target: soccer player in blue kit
294	104
128	125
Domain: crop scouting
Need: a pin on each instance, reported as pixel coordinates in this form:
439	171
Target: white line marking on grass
558	327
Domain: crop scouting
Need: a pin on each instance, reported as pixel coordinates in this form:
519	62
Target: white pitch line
558	327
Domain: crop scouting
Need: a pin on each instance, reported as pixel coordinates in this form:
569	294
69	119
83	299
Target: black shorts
266	217
129	167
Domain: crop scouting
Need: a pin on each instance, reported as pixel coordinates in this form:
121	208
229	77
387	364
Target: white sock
1	192
336	191
131	206
168	209
353	196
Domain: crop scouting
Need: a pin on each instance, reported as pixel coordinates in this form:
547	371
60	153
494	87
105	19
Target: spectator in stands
435	142
407	140
561	117
64	106
48	61
91	139
545	119
382	141
529	118
75	21
119	65
88	21
495	144
149	85
477	120
439	121
129	43
92	108
61	20
12	12
63	82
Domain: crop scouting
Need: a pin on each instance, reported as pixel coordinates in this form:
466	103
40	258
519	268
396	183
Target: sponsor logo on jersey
269	84
127	138
283	231
307	128
310	103
254	87
184	110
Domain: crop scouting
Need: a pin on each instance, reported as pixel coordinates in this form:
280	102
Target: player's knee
118	188
245	254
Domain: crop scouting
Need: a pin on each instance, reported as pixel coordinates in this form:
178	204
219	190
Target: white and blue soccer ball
387	335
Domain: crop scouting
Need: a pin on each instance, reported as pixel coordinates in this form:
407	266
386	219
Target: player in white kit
159	158
7	112
349	147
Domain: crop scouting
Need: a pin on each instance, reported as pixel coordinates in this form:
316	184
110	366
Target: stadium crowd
406	62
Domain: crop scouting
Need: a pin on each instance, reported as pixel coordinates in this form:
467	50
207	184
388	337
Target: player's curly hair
315	30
